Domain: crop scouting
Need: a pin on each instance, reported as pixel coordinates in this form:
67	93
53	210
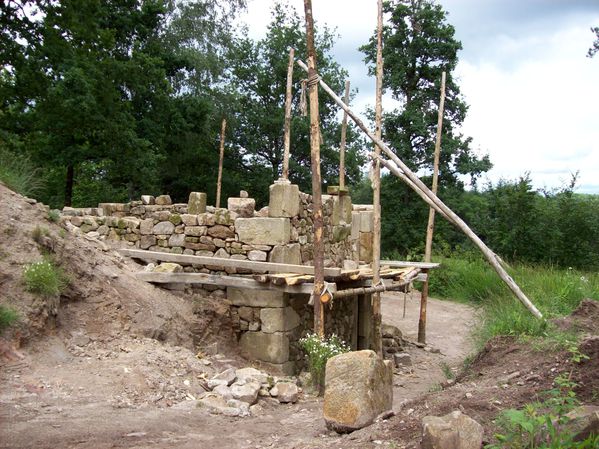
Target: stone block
206	219
244	207
163	200
176	240
221	232
366	221
280	319
355	225
290	253
197	203
358	388
341	232
263	231
284	200
279	369
452	431
148	200
342	210
257	256
168	267
366	246
189	220
257	298
163	228
271	348
196	231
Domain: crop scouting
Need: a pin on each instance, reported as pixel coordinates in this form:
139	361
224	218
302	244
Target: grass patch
54	215
39	232
555	291
44	278
8	317
19	174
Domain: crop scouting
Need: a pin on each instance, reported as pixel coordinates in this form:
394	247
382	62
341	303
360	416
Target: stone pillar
284	200
197	203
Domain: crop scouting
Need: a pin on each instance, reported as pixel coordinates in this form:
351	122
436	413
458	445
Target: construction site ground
117	362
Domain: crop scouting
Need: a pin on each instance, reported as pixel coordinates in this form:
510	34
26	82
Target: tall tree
258	74
595	47
419	44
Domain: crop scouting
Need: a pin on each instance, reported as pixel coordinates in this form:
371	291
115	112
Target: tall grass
555	291
19	174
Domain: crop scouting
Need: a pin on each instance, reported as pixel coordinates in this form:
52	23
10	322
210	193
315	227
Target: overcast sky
533	93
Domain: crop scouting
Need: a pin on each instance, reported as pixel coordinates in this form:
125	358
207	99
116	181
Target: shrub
54	215
7	317
318	351
44	278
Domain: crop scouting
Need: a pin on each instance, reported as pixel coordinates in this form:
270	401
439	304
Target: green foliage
318	351
556	292
543	425
39	232
8	317
54	215
595	47
18	173
44	278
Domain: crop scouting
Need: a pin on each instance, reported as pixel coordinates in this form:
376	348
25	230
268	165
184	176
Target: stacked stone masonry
268	323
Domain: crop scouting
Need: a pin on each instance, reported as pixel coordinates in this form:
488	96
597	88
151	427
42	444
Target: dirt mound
103	299
584	319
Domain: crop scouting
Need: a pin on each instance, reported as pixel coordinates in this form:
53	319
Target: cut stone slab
176	240
196	203
366	246
286	254
452	431
358	388
257	298
271	348
257	256
342	210
263	231
163	228
248	392
366	221
163	200
402	359
280	319
148	200
284	200
228	375
244	207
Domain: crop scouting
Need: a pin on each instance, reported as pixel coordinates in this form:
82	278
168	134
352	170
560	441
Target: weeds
447	371
39	232
54	215
19	174
8	317
318	351
44	278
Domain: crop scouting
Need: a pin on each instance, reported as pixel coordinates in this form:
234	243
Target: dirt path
115	393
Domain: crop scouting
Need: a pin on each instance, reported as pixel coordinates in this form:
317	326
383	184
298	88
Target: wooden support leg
422	319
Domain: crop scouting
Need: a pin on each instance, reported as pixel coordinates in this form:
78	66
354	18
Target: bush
318	351
7	317
44	278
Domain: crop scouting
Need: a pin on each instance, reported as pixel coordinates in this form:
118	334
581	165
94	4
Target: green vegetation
18	173
8	317
54	215
555	291
545	425
39	232
44	278
318	351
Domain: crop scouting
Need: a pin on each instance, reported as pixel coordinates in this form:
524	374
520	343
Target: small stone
286	392
213	383
452	431
163	228
148	200
168	267
223	391
251	374
80	340
257	256
247	392
227	375
163	200
468	395
402	359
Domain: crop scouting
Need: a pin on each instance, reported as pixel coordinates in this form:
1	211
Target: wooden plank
224	281
222	262
400	264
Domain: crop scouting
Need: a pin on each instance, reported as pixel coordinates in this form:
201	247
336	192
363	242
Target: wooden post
431	216
220	161
376	189
316	187
343	140
288	93
400	169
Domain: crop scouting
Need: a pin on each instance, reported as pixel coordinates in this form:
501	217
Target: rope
303	104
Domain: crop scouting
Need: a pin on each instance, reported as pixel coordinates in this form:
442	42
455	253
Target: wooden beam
222	262
420	188
401	264
317	218
288	94
221	158
224	281
343	141
377	341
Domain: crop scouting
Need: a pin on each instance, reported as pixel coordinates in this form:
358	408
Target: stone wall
268	323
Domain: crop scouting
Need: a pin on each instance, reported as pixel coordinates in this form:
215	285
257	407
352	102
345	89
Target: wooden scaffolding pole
343	140
431	215
288	94
377	344
420	188
220	162
316	186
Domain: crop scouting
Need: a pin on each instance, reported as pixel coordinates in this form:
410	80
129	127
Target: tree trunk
68	190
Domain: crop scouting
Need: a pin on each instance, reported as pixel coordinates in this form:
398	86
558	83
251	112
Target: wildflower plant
318	351
44	278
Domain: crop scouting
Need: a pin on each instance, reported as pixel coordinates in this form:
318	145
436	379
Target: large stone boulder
358	388
452	431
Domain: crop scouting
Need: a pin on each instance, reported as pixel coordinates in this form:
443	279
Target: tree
595	47
418	45
258	75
